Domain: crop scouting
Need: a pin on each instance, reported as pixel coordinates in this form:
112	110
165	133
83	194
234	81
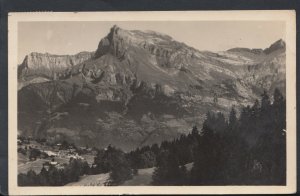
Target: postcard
168	102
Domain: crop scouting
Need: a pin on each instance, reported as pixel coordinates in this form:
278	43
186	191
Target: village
38	153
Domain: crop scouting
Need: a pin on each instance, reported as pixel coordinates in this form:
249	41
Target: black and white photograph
156	102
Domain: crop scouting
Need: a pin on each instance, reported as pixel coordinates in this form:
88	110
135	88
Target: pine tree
195	131
265	101
43	177
232	119
168	171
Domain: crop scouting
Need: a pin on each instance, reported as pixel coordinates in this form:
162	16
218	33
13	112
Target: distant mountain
267	69
278	45
139	87
45	64
256	51
38	67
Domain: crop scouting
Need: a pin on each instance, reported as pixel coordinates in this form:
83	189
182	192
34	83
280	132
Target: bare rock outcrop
46	64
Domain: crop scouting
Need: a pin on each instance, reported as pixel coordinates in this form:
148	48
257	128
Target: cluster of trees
149	156
167	157
169	171
113	160
245	150
33	153
54	176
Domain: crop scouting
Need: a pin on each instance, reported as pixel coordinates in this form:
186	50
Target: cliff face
140	87
38	63
266	70
118	41
49	61
167	52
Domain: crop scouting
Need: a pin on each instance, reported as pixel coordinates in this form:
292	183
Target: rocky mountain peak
119	40
279	44
110	43
115	31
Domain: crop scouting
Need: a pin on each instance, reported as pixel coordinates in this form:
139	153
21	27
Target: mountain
278	45
139	87
267	69
37	67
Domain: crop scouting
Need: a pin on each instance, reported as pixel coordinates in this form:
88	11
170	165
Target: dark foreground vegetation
246	149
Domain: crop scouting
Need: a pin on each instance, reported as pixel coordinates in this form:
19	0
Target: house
46	166
60	166
58	144
50	153
53	163
75	156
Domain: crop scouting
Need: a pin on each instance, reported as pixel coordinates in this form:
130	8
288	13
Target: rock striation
38	63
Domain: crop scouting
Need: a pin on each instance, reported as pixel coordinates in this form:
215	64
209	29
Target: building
50	153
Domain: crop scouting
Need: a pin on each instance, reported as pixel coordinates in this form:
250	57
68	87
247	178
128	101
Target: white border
289	16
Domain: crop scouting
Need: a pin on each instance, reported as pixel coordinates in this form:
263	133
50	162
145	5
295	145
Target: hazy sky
73	37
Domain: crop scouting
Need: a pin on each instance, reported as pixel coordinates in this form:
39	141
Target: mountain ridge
141	87
279	44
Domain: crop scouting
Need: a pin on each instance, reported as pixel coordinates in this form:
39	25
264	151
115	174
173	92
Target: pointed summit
117	31
113	42
114	29
279	44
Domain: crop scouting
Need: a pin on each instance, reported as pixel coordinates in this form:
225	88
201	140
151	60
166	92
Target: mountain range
138	88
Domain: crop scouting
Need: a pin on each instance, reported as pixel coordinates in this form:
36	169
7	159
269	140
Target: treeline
245	150
53	176
115	162
150	156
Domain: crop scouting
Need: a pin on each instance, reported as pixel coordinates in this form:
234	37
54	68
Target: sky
72	37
